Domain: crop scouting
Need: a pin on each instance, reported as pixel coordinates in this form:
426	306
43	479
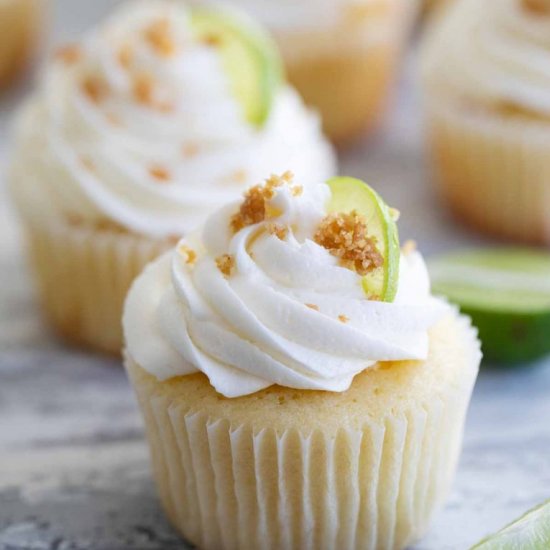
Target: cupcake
134	136
341	55
300	386
487	99
19	26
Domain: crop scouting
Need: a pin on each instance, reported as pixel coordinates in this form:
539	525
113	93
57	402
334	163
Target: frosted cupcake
487	89
19	28
300	386
134	136
341	55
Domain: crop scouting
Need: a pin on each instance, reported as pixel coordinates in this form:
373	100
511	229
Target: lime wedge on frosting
507	294
529	532
350	194
249	57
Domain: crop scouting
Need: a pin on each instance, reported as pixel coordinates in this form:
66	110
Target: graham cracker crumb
74	219
189	253
409	247
69	54
253	208
87	163
159	173
225	264
537	7
280	231
114	119
159	38
143	88
313	306
125	55
212	40
342	318
190	150
95	89
297	190
345	236
239	176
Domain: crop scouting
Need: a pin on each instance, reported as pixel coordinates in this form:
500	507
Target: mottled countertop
74	469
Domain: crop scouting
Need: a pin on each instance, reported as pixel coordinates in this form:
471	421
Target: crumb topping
143	87
239	176
297	190
189	253
225	264
95	89
315	307
280	231
87	162
69	53
537	7
159	37
114	119
125	55
160	173
190	150
342	318
345	236
212	40
253	209
409	247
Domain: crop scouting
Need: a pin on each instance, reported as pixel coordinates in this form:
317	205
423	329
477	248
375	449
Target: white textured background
73	465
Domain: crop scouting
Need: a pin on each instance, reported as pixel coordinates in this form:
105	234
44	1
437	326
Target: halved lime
250	58
350	194
507	294
529	532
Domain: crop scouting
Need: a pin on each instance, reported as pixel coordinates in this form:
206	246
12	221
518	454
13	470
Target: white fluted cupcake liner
493	170
229	484
83	275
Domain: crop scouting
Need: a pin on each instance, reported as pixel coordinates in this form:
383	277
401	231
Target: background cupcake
487	98
134	136
342	55
299	388
19	27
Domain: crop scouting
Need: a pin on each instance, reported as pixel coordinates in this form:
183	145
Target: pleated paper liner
493	171
83	274
292	469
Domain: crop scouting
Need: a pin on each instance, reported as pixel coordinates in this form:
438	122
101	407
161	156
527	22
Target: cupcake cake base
493	170
83	275
285	468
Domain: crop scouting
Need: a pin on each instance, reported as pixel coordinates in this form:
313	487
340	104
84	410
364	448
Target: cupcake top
492	54
289	287
158	117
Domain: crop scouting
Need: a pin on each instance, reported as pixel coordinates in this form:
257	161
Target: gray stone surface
74	470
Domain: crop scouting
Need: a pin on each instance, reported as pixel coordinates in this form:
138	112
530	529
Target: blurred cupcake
487	98
341	55
300	387
19	28
135	135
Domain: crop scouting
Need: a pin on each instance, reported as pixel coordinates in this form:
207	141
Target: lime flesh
249	57
507	294
530	532
350	194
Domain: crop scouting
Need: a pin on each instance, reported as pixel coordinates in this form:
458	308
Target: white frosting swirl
150	140
491	52
276	318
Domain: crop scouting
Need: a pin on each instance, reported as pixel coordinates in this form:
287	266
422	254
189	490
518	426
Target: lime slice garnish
350	194
507	294
250	59
529	532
